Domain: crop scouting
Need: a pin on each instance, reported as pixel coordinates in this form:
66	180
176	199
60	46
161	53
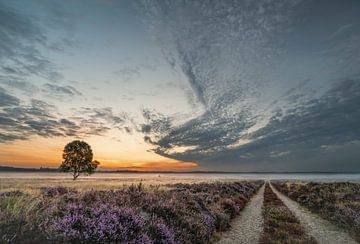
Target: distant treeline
15	169
44	169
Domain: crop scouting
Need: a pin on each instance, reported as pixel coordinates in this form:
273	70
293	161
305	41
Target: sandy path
248	226
322	230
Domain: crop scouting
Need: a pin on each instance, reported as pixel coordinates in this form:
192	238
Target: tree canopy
78	159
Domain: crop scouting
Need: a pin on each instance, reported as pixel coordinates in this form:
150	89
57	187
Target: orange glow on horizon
47	152
158	166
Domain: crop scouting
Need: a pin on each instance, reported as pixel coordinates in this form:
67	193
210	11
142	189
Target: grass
137	213
280	224
33	185
338	202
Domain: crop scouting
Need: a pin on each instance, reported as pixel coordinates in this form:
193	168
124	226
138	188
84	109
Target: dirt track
247	227
322	230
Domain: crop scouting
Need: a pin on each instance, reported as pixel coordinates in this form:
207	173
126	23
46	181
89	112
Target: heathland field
188	211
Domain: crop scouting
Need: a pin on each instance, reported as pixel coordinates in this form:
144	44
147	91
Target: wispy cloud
60	91
21	121
7	99
21	40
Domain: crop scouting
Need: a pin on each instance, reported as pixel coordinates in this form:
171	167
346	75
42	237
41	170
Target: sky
267	85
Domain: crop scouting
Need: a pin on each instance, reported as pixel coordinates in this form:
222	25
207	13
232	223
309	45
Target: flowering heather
53	191
160	232
78	222
184	213
338	202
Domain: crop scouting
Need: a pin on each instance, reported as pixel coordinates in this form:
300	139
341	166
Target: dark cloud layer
237	56
312	130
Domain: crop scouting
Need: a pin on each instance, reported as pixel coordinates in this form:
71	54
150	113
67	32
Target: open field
34	181
34	185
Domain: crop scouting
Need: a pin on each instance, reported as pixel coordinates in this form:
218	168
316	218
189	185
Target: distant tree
78	157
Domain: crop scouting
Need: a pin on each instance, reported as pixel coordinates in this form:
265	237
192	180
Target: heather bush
79	222
160	232
230	207
222	220
180	213
53	191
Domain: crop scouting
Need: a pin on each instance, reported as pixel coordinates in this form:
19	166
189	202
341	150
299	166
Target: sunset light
180	121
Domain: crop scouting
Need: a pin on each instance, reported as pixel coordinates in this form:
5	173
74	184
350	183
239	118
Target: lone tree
78	157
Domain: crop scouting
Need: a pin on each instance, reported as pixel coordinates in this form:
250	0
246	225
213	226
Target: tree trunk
75	175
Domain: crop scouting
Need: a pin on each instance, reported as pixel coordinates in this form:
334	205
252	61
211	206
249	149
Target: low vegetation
182	213
337	202
280	224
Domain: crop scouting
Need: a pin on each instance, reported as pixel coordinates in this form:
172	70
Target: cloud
7	99
18	83
221	47
21	40
104	115
21	121
291	135
25	42
59	91
128	73
157	123
257	111
51	90
12	71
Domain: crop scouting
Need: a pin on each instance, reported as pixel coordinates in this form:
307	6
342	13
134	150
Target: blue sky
233	85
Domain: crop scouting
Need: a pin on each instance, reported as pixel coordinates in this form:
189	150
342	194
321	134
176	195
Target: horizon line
4	168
